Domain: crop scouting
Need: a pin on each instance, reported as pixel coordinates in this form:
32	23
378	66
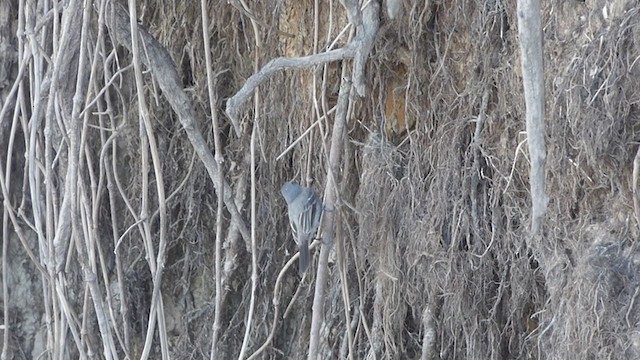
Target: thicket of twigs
142	221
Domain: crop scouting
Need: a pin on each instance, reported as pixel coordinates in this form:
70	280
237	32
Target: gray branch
366	24
164	71
530	31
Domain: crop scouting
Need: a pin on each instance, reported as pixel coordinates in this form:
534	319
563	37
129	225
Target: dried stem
213	105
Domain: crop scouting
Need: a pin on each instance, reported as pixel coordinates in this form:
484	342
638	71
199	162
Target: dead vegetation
118	202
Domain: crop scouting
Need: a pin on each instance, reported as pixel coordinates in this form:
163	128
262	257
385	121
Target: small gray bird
305	209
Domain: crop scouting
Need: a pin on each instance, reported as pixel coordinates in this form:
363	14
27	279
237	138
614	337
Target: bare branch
359	49
162	66
365	36
330	199
236	101
530	32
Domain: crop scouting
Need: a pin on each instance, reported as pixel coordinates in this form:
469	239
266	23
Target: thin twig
211	86
636	194
148	139
254	246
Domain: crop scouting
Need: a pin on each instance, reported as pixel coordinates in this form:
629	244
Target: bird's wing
308	218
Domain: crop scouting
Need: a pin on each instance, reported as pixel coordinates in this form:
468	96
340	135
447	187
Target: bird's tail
303	261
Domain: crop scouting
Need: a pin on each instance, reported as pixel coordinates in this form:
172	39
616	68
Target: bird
304	208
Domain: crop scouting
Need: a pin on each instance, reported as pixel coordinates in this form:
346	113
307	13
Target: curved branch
282	63
366	24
